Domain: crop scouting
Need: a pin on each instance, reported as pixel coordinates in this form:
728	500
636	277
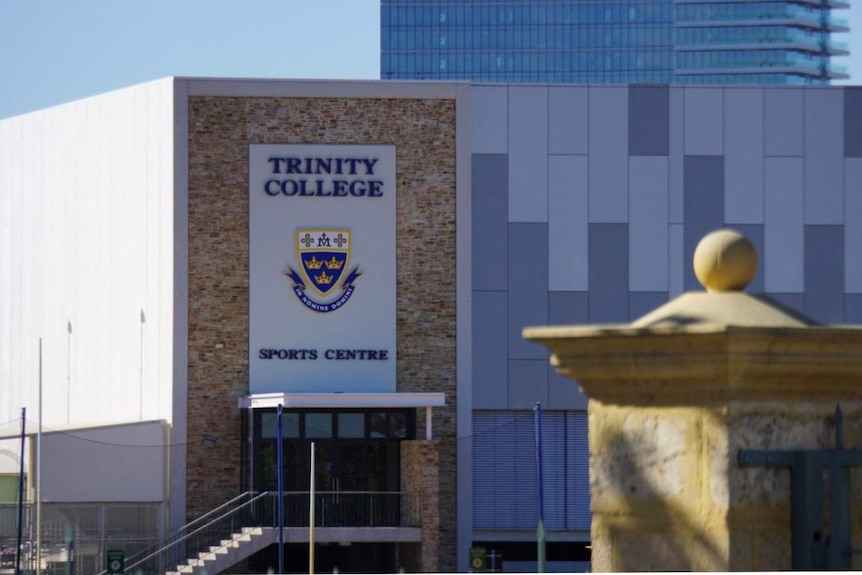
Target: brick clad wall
419	480
220	129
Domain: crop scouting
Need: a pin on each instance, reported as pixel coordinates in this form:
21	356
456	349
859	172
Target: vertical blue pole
280	496
540	529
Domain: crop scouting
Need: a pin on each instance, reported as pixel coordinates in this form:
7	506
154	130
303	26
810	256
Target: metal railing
332	509
196	536
346	509
76	535
79	534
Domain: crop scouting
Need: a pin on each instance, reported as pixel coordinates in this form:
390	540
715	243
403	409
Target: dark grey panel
566	308
643	302
564	393
853	122
528	286
490	361
824	273
609	273
648	121
490	215
528	383
793	300
754	233
703	185
853	308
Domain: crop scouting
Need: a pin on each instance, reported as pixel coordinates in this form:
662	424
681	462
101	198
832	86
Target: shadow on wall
645	484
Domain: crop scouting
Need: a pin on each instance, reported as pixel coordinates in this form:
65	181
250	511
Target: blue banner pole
540	528
280	497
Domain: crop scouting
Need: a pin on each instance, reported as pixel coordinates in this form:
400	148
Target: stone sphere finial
725	260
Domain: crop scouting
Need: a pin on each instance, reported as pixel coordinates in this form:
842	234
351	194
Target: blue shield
323	256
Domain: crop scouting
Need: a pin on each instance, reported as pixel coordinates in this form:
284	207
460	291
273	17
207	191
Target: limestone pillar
677	394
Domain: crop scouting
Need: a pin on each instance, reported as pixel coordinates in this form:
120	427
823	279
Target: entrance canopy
347	401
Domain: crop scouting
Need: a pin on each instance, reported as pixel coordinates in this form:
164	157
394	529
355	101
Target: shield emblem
323	255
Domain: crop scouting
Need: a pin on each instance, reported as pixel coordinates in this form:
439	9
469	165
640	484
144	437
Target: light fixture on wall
209	441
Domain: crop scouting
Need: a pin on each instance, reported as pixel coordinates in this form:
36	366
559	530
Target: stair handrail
184	532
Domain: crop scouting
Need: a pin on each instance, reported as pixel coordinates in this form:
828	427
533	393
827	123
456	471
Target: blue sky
56	51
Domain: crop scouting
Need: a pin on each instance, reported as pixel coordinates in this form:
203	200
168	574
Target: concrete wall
124	463
86	259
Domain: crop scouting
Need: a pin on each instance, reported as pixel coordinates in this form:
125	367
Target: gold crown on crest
323	279
314	264
334	264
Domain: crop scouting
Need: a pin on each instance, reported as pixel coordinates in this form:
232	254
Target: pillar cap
725	260
713	346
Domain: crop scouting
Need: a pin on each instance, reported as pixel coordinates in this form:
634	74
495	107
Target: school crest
323	282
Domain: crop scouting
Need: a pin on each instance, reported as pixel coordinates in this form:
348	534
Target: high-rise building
619	41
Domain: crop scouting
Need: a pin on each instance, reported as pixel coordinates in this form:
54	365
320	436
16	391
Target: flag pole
280	495
311	515
21	492
540	528
39	473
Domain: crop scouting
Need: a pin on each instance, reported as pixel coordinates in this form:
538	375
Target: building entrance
357	461
357	478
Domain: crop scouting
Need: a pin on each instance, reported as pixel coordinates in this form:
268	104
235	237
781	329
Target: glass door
341	483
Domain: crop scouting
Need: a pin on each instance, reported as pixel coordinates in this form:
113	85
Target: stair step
223	555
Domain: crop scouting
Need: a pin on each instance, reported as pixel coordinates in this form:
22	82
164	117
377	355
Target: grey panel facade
609	273
783	118
490	349
566	308
636	176
853	122
824	273
528	383
743	156
648	121
704	205
528	286
490	221
824	157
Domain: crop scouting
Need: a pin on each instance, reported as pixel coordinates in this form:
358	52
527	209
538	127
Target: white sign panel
322	268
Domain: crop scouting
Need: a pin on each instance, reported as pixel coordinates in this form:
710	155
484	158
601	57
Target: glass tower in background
619	41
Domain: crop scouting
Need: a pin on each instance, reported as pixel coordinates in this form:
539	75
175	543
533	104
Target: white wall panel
743	156
609	141
704	122
648	223
568	225
85	246
853	225
568	126
489	117
528	154
824	157
784	232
